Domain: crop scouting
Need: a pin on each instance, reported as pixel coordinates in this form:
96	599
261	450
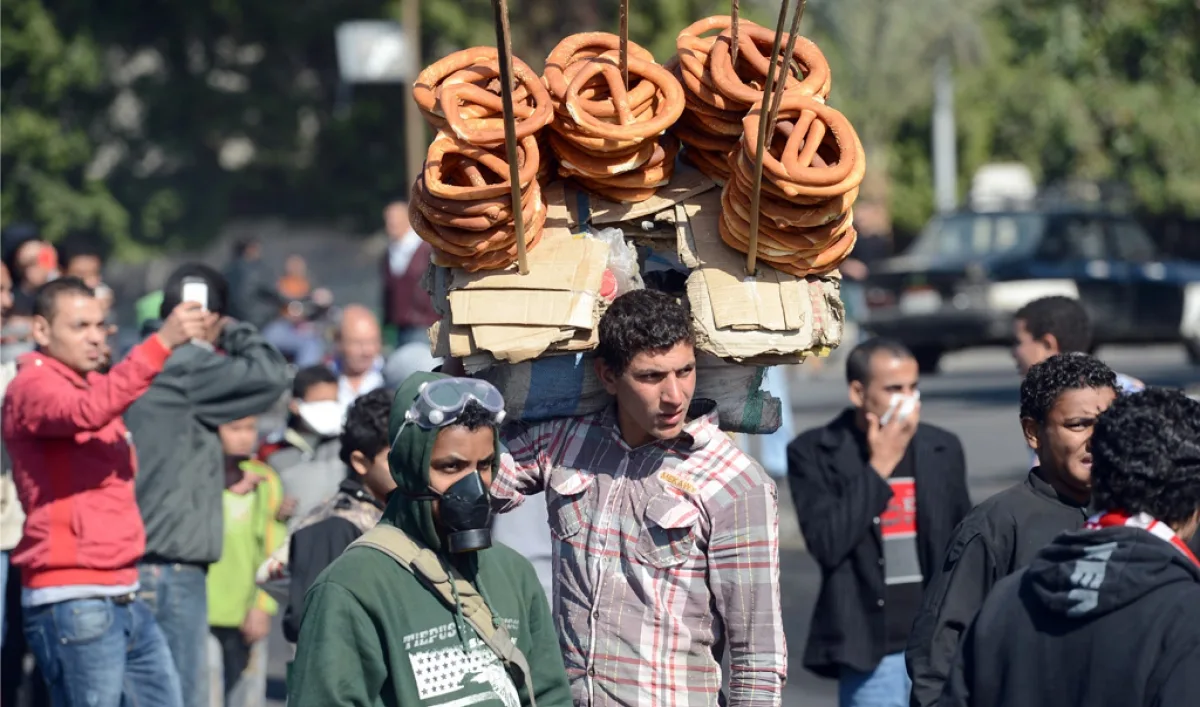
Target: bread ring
813	130
667	111
445	146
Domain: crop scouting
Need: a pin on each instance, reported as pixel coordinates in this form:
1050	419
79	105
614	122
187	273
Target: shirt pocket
570	499
669	533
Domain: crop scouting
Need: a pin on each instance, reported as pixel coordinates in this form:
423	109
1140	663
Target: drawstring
458	615
487	600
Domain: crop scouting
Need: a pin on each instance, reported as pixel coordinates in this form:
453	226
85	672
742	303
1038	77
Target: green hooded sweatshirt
372	634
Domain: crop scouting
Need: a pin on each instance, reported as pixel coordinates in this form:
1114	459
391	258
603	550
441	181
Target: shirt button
875	520
596	614
881	562
592	672
879	603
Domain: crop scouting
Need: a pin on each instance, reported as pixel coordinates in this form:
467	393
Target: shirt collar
703	423
1043	488
40	359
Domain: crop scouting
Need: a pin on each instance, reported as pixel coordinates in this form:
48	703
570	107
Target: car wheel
928	358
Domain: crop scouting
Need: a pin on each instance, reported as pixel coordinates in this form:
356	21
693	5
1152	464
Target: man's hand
889	443
256	626
186	322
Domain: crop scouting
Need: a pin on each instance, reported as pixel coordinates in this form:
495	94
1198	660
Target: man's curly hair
1048	380
1146	456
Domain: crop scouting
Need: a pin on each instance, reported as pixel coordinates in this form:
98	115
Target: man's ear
1029	428
606	375
359	463
1050	343
41	330
294	406
857	394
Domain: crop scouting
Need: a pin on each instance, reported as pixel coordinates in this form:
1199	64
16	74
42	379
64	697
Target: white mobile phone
893	406
196	290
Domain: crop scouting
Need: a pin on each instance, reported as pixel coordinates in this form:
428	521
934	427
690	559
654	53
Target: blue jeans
178	597
887	685
100	653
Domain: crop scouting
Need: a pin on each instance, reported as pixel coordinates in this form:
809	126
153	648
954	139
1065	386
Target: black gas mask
464	514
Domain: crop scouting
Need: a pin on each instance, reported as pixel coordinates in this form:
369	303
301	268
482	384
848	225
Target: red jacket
73	464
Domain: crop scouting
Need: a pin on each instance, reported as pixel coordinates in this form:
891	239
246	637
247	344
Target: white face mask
901	407
324	417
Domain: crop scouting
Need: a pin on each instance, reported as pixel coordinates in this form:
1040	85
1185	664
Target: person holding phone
95	641
878	494
226	373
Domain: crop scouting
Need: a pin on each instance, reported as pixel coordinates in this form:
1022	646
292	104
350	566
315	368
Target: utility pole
945	154
414	124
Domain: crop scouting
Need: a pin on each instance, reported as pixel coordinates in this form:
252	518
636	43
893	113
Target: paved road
976	397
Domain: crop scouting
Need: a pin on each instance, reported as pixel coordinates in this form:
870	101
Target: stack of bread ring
718	94
462	203
811	171
608	139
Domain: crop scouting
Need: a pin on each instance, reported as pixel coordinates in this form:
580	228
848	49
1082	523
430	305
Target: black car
965	275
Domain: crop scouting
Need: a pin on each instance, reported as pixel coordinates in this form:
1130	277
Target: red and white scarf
1144	521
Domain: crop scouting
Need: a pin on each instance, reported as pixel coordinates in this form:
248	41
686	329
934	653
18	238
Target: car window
978	236
1075	238
1130	242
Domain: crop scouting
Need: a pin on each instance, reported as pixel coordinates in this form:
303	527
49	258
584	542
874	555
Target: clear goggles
441	401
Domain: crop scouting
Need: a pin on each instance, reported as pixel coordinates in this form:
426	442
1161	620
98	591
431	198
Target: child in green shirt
239	614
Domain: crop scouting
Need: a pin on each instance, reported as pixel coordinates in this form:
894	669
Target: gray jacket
174	425
310	469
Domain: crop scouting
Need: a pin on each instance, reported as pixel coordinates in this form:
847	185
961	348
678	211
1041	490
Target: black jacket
838	500
181	468
999	537
314	547
1103	618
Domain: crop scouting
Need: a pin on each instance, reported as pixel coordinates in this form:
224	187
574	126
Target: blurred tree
1095	90
51	89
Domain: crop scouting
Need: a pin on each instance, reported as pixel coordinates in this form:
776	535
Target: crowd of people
166	525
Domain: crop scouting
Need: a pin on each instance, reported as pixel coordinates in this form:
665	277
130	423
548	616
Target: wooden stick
734	12
763	110
777	101
625	42
504	50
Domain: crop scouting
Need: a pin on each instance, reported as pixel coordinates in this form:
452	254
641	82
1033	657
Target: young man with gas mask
665	534
1061	399
418	611
1109	615
877	493
305	452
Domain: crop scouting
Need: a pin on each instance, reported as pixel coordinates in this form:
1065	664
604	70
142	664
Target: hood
1088	573
409	462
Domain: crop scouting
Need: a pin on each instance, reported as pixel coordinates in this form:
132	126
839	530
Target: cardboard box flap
770	300
561	261
516	344
538	308
823	317
686	182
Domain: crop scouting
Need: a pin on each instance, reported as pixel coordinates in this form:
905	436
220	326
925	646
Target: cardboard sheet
770	318
513	318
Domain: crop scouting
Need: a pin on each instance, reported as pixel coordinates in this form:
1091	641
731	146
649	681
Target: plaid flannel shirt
663	554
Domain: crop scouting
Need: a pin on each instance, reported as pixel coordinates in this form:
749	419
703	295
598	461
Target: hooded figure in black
1107	616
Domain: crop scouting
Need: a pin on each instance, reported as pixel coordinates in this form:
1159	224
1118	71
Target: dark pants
177	595
102	653
235	654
